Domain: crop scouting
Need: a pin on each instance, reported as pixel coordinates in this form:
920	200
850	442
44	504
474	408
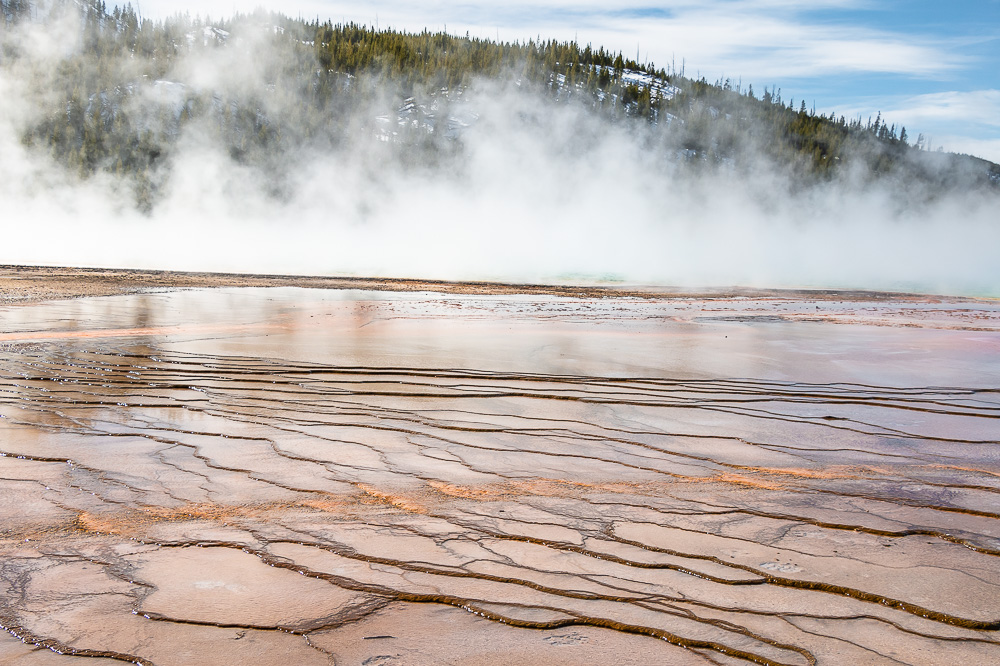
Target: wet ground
294	476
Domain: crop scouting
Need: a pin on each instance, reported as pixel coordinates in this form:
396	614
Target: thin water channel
277	476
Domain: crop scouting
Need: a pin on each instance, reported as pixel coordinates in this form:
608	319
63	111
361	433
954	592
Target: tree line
107	108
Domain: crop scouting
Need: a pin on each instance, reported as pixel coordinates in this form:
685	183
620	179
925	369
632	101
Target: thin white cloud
759	47
988	149
975	106
958	121
755	39
331	8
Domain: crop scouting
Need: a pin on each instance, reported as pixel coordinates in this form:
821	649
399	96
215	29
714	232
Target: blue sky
931	66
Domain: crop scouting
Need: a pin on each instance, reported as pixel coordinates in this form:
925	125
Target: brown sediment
749	491
747	481
974	470
29	284
132	521
399	501
25	635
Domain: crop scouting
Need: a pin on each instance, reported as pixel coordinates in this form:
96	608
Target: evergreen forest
122	90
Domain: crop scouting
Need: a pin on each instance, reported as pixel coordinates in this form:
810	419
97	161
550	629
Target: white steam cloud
539	192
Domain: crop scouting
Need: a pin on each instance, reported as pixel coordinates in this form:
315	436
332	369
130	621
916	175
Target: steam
532	191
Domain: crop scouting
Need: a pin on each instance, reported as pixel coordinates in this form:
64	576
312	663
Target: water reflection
744	480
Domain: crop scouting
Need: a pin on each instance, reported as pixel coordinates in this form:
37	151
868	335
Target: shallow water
268	476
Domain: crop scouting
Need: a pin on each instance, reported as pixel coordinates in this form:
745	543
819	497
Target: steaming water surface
296	476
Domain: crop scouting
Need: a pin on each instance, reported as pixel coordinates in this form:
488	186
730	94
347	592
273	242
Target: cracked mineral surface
300	476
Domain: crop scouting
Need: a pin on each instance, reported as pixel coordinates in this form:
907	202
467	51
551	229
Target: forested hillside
122	91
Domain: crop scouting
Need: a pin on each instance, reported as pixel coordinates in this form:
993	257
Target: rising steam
530	191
